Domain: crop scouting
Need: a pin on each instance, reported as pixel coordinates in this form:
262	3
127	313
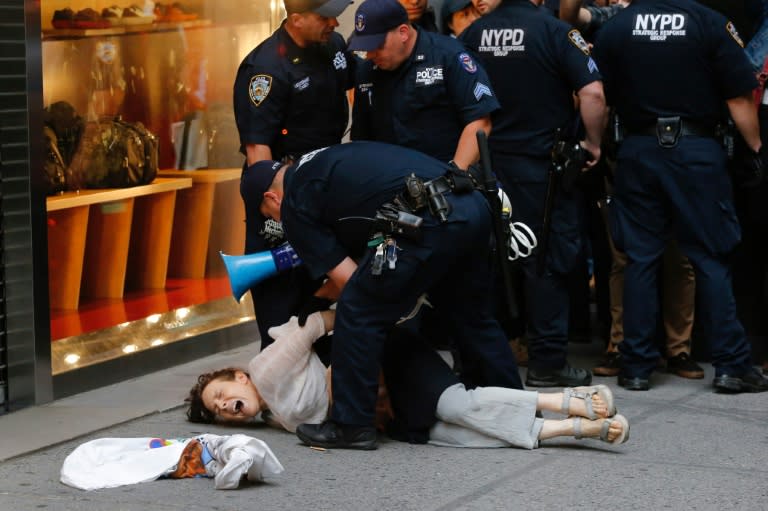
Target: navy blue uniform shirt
426	102
702	62
346	180
293	99
536	63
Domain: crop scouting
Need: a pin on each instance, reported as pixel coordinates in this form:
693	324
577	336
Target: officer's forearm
593	111
744	115
467	152
257	152
341	273
571	12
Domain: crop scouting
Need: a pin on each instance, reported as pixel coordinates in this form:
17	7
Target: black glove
314	304
752	169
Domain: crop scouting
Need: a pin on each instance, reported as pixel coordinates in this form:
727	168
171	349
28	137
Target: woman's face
232	400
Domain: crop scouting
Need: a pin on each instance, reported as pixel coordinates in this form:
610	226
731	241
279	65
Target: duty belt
402	216
668	130
420	194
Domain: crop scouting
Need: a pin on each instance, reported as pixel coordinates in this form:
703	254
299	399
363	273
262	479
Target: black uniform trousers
682	192
547	295
453	264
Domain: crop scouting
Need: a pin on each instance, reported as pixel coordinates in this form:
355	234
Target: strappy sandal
586	394
623	437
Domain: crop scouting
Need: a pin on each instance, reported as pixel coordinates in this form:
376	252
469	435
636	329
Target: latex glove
285	329
313	329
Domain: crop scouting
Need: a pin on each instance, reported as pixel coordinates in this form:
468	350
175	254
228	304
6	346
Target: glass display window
135	267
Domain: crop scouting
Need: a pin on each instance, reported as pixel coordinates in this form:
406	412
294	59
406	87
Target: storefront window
133	267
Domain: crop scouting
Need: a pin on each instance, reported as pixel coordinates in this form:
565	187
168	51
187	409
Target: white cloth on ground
289	375
488	415
112	462
236	456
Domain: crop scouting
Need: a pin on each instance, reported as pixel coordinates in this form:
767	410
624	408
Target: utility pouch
391	220
726	133
668	130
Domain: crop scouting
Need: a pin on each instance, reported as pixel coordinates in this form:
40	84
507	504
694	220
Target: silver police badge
259	88
578	41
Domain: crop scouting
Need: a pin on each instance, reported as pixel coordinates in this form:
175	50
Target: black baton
491	193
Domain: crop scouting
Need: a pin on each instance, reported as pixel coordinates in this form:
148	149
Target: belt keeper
462	182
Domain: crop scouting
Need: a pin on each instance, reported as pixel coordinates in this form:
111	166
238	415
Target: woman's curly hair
197	412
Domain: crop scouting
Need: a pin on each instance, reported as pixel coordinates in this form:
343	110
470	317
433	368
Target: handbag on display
107	153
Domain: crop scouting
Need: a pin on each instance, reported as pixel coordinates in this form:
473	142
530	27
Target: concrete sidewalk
41	426
689	448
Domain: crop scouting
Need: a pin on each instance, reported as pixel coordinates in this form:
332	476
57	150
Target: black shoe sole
635	385
736	385
366	445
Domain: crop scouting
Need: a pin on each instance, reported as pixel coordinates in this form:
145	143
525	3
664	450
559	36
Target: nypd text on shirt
657	27
501	41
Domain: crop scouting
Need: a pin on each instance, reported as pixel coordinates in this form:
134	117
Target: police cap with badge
373	20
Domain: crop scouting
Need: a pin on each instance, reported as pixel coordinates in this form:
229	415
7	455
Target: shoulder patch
467	63
259	88
578	41
734	33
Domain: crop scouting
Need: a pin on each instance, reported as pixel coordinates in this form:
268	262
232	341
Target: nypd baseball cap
257	179
373	19
327	8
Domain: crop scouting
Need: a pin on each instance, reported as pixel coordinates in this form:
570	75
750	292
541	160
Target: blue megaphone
245	271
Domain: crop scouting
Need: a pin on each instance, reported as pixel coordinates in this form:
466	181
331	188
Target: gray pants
486	417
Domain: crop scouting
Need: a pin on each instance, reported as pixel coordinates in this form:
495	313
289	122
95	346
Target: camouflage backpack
116	154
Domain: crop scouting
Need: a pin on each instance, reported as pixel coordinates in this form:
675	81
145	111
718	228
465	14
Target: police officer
289	98
420	14
444	249
456	15
536	62
417	89
669	67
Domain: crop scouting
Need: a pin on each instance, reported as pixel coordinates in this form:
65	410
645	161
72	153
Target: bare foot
601	399
616	431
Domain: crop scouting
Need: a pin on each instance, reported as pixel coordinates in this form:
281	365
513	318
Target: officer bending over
432	236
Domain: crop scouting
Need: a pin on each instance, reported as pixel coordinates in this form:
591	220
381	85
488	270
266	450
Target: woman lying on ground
428	401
